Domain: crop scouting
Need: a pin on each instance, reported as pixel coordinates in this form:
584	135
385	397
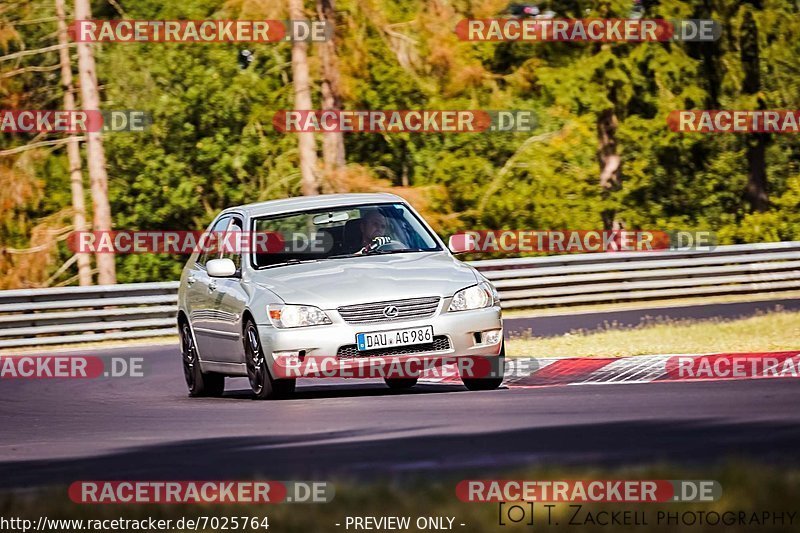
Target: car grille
372	313
441	343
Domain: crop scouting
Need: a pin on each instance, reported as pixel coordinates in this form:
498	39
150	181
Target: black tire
198	382
261	382
400	383
477	384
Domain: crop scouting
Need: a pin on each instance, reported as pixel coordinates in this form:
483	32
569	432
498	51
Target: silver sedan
356	279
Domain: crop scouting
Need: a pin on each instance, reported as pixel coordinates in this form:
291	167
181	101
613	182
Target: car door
199	296
230	300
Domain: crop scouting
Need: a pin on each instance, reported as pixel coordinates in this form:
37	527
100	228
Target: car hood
332	283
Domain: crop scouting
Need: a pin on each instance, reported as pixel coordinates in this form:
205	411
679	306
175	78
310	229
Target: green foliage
212	143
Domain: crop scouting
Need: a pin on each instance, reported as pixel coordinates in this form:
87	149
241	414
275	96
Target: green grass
649	304
762	333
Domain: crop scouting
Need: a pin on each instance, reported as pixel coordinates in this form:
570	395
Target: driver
373	224
376	233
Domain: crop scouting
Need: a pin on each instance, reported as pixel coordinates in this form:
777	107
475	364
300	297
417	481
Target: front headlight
475	297
295	316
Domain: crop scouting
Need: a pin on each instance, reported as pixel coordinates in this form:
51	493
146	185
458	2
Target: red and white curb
553	371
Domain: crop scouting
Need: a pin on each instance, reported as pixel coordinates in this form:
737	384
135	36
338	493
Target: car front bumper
325	341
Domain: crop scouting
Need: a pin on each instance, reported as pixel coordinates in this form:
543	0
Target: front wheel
198	382
261	382
476	384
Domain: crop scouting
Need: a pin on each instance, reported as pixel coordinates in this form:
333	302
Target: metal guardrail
637	276
40	317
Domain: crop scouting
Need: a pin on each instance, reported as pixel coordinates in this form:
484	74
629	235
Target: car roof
307	203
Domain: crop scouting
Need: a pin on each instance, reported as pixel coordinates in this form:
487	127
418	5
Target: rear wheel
490	383
400	383
198	382
261	382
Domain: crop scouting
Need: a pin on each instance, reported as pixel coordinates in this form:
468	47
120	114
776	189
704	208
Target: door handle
212	286
191	279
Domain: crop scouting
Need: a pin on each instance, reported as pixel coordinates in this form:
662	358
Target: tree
333	153
95	155
610	163
307	146
756	191
73	148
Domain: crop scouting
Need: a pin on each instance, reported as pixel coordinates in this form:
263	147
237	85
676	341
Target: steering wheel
383	243
392	245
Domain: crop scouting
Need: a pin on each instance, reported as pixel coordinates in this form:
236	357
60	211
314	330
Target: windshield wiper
378	252
388	252
293	261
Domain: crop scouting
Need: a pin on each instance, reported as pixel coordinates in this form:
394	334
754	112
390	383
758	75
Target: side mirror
221	268
458	244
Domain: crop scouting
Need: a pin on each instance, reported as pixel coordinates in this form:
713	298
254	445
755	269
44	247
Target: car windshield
352	231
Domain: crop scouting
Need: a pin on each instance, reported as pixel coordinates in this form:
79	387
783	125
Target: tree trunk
756	192
73	149
332	142
307	145
711	55
610	162
95	155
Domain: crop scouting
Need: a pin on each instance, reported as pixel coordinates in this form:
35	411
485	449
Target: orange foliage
358	178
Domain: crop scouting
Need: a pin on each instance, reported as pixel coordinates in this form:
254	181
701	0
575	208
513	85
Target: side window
217	228
235	227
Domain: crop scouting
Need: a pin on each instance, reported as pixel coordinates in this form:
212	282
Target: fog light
292	358
492	336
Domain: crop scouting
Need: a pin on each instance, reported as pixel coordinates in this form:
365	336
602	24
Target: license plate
395	337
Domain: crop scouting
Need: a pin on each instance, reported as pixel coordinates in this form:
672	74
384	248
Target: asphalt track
59	431
559	324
